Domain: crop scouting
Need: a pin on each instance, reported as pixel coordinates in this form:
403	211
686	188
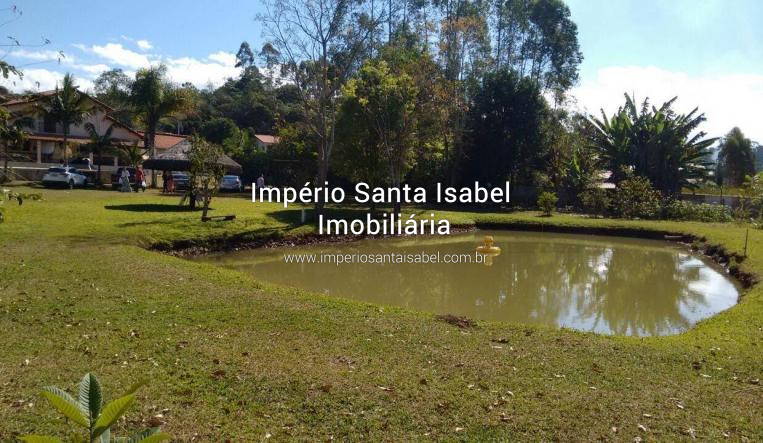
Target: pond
609	285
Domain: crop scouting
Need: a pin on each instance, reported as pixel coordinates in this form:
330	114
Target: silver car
231	183
64	176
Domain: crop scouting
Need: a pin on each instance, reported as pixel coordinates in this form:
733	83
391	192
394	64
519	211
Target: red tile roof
165	140
267	139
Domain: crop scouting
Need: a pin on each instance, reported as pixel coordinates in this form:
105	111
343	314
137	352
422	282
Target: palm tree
153	98
612	138
133	154
656	143
66	106
98	144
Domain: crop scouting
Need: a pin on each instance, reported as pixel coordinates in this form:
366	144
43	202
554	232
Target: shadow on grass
152	207
293	217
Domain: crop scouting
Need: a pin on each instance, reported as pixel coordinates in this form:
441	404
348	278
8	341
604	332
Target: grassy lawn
229	357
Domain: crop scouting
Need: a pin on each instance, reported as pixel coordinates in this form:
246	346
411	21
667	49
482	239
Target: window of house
48	124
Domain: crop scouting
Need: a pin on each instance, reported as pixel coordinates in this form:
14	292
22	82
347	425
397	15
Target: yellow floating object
487	246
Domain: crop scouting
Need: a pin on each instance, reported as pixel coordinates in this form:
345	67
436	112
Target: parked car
64	176
231	183
117	175
181	180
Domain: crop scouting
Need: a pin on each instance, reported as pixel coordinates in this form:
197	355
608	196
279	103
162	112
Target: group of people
140	180
168	181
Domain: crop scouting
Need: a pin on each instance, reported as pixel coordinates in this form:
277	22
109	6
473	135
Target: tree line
425	91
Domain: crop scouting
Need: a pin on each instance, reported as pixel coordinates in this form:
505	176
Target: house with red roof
45	140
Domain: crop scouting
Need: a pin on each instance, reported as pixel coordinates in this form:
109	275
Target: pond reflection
609	285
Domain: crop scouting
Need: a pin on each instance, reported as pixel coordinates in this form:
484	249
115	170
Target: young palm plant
89	412
98	144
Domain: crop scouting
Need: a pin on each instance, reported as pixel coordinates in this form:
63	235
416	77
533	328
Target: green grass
229	357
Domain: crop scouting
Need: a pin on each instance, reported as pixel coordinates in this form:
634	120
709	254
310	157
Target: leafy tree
12	134
505	125
538	39
206	171
318	47
735	159
88	411
636	198
359	157
218	129
389	102
464	43
595	200
244	56
547	202
112	87
153	98
66	106
98	144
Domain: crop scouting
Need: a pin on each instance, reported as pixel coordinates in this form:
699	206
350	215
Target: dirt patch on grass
458	321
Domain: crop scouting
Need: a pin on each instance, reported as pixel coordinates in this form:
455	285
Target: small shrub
88	411
547	202
704	212
635	198
595	201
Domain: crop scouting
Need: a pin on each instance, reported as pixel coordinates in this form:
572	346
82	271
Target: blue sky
709	52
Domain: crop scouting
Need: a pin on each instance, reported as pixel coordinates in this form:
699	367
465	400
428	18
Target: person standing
140	179
165	181
125	179
261	182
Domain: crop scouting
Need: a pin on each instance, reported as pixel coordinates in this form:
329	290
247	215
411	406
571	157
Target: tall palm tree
98	144
153	98
66	106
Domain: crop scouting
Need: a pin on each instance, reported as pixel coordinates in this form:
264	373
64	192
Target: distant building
45	141
264	142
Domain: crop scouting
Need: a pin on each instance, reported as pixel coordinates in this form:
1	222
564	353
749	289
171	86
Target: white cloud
41	55
119	55
726	100
92	69
224	58
41	80
145	45
215	70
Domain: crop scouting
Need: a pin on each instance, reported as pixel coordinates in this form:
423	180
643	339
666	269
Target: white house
45	140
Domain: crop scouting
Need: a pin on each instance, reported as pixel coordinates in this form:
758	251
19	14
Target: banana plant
88	411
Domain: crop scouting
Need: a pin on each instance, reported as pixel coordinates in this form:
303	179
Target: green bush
547	202
89	412
683	210
635	198
595	201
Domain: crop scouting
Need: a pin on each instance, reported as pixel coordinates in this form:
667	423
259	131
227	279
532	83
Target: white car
231	183
64	176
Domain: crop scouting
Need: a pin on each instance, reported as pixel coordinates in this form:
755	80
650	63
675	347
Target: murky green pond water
609	285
